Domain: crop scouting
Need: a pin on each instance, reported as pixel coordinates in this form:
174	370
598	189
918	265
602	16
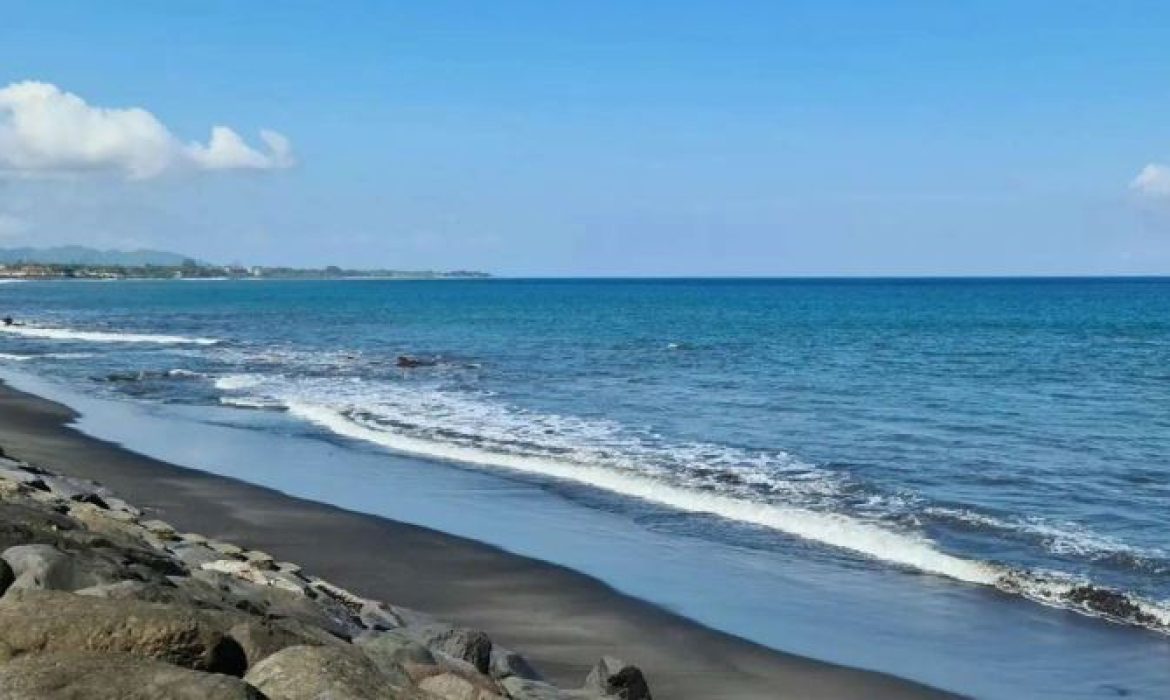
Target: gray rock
506	663
159	528
472	646
42	566
614	678
453	686
260	639
51	621
193	555
395	654
313	673
227	592
519	688
114	677
85	564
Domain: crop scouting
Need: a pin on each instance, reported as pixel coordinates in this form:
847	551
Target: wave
103	336
8	357
772	491
1061	538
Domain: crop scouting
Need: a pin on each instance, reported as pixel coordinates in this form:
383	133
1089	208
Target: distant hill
80	255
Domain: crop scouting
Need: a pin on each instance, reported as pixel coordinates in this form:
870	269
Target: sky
602	138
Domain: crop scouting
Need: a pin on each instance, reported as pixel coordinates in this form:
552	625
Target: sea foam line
833	529
828	528
103	337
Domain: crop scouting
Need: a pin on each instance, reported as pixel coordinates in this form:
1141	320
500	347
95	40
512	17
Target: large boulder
51	621
454	686
260	639
472	646
396	655
226	591
311	673
614	678
506	663
43	566
114	677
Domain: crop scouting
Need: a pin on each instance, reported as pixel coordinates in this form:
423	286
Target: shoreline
560	619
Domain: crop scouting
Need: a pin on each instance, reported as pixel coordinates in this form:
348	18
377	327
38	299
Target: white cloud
1152	181
45	130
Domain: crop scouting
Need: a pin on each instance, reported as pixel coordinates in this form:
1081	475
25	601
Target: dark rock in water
37	622
408	362
472	646
1109	602
614	678
114	677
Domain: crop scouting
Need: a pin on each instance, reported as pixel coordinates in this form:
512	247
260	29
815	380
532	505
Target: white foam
7	357
767	490
238	382
102	336
828	528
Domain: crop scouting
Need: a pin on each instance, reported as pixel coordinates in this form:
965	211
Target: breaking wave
770	490
103	336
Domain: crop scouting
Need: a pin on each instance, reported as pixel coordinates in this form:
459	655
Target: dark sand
560	619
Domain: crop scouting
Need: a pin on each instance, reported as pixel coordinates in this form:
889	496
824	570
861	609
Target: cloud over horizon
1152	181
45	130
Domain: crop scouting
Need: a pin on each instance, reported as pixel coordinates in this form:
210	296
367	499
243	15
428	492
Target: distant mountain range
80	255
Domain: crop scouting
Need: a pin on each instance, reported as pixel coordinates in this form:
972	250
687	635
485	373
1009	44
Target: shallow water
1011	433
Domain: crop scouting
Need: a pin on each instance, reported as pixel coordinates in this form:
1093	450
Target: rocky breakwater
101	601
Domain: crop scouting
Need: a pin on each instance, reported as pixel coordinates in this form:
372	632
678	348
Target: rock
114	677
469	645
85	564
262	638
395	653
614	678
312	673
378	616
1109	602
519	688
159	528
450	686
288	567
193	538
118	505
261	560
51	621
42	566
225	548
247	571
217	589
506	663
7	576
193	555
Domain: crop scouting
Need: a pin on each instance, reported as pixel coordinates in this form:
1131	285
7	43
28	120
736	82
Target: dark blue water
1007	433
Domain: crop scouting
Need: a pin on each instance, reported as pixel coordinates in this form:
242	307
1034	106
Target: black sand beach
559	619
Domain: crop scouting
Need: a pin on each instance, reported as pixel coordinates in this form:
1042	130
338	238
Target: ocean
1007	440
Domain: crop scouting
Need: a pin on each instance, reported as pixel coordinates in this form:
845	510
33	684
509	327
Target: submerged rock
1109	602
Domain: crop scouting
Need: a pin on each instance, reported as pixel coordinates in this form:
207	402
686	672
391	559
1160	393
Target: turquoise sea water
1007	434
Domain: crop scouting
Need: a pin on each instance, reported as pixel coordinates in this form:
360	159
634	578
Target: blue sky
615	138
